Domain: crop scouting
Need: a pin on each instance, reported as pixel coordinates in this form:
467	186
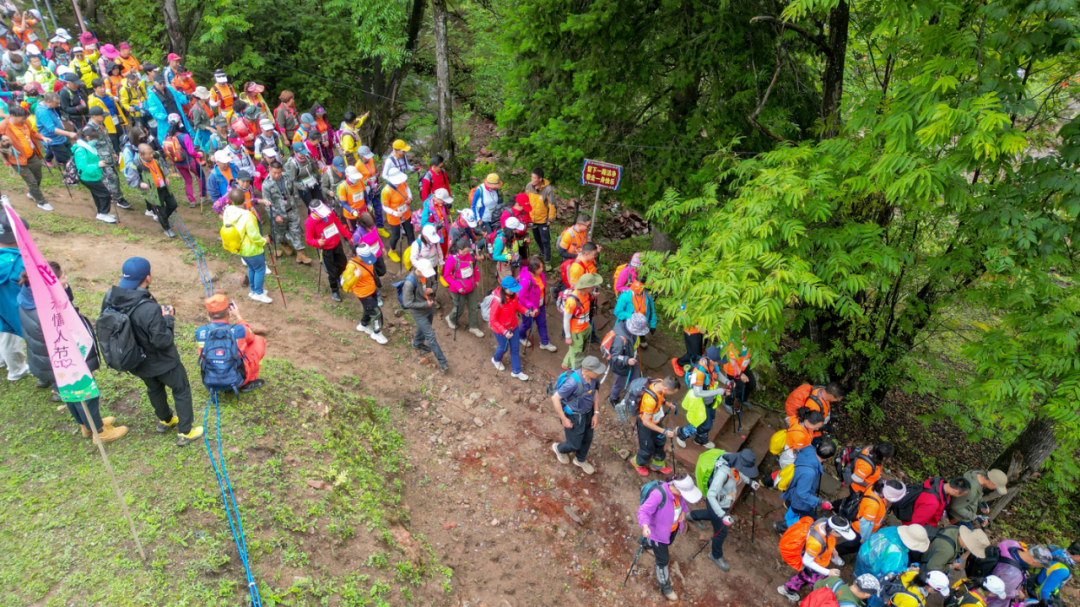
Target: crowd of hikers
288	179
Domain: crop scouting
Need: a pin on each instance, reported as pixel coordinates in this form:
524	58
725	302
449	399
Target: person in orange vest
818	554
222	96
573	238
874	504
636	299
815	398
737	367
868	465
651	435
351	196
130	63
245	124
577	317
366	165
253	96
395	199
326	134
359	278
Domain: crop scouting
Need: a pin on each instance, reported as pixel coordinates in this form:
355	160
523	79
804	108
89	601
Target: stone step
758	442
722	434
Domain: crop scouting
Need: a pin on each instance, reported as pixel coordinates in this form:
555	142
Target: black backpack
905	508
849	506
845	463
119	349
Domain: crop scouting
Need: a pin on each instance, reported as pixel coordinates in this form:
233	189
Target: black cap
96	82
97	111
243	175
70	78
149	66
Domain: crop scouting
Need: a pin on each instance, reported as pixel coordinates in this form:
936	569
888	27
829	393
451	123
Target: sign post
601	175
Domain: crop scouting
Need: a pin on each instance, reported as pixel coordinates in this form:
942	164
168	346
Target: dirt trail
486	492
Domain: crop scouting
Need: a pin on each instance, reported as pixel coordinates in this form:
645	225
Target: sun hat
637	325
492	179
592	364
395	176
351	173
510	284
425	267
255	87
266	124
365	152
914	537
431	234
1042	554
939	582
400	144
468	217
223	156
744	461
87	38
995	586
135	270
588	281
1000	480
868	583
687	488
514	224
975	540
216	303
174	118
841	525
444	196
635	260
109	51
321	209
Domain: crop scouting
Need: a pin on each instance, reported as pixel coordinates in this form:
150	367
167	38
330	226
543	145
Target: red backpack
564	271
822	597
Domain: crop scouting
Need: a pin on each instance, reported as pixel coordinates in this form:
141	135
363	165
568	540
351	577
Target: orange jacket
811	397
865	473
25	140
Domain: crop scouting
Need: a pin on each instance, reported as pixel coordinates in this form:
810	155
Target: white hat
939	582
201	92
62	33
321	210
223	156
33	50
77	49
63	69
365	152
366	253
841	525
352	174
470	219
688	488
174	118
396	177
431	234
514	224
995	586
266	124
269	153
444	196
220	77
427	270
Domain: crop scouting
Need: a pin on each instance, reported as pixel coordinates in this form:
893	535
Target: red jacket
504	316
931	503
431	182
315	226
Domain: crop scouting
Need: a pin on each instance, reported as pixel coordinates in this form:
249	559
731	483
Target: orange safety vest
225	95
396	201
352	198
366	168
738	360
155	170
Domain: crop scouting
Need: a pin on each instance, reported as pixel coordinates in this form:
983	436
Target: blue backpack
399	286
221	363
648	488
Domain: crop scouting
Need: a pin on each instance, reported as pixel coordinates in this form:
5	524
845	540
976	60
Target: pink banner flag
66	337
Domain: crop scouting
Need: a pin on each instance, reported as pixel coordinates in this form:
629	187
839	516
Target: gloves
727	520
755	485
652	330
826	506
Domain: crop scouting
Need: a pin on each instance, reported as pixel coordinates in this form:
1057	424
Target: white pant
13	355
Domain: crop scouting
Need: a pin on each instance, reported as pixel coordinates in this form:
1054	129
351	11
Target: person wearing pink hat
253	96
108	55
130	63
173	68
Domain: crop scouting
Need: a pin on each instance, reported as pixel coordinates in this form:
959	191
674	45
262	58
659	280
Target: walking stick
273	262
708	541
641	546
318	279
753	517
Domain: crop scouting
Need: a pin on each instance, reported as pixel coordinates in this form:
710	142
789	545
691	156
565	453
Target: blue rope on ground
232	511
200	259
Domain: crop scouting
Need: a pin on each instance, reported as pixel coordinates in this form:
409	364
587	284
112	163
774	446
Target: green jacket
964	509
248	226
943	550
843	592
86	160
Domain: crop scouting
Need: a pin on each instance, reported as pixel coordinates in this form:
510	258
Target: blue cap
714	354
299	147
339	164
135	270
307	119
510	284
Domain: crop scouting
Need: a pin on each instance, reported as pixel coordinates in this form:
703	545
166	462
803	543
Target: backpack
706	465
822	597
845	463
119	349
606	343
977	569
399	286
778	441
485	306
560	302
893	588
794	540
849	506
174	151
687	379
648	488
905	508
798	397
231	238
221	364
615	277
632	401
349	277
552	388
564	271
70	175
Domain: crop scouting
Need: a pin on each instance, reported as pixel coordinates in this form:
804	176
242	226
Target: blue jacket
477	204
624	307
11	265
157	110
802	492
1050	580
48	120
216	184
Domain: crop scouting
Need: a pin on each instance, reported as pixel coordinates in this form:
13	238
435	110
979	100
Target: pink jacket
623	280
452	272
531	294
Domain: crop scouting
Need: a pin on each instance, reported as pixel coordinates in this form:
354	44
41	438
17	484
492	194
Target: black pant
743	390
176	380
100	194
372	313
650	444
660	551
718	528
395	234
61	152
308	195
542	236
380	270
695	347
334	261
114	139
579	437
166	206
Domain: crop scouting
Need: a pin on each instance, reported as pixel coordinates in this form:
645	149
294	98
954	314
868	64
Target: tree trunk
1022	459
832	90
662	242
385	86
444	134
173	28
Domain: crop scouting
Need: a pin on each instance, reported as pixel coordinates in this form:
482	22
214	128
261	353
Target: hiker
627	274
930	503
154	176
162	100
241	156
428	246
304	172
12	345
485	201
635	299
809	548
435	179
577	317
887	552
737	367
574	237
172	67
349	136
90	166
359	278
913	588
705	382
325	140
801	496
436	213
14	65
800	434
269	139
623	354
251	347
323	231
129	151
130	63
855	595
114	119
584	263
222	95
183	82
331	178
285	115
366	233
504	248
662	514
533	296
19	144
503	315
222	175
542	201
48	123
395	200
243	184
651	435
201	118
520	209
694	340
867	464
38	70
466	227
245	124
366	166
950	545
114	80
1045	583
462	277
133	97
1012	567
252	95
179	147
73	99
719	481
576	398
991	586
416	297
970	510
397	159
287	211
817	398
161	367
245	227
868	511
219	137
108	155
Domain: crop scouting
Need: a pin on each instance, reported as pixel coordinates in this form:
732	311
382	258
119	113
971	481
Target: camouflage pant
112	181
290	228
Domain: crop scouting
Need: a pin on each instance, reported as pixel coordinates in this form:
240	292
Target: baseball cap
266	124
430	233
510	284
1000	480
514	224
352	174
837	523
399	144
172	57
339	164
124	46
299	147
243	175
592	364
444	196
322	210
366	254
217	303
468	217
135	270
365	152
688	488
939	582
223	156
97	111
425	267
220	77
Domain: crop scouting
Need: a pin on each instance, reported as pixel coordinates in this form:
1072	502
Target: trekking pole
318	278
277	273
707	542
753	517
641	546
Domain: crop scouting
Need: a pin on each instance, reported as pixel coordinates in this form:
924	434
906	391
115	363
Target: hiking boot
56	397
660	467
260	297
252	386
642	470
445	368
476	332
548	347
450	322
279	252
110	433
780	527
669	594
643	346
163	427
183	440
498	365
192	205
45	206
562	457
287	248
105	421
41	383
520	376
361	328
378	298
678	369
699	525
394	257
791	596
170	233
383	233
335	296
379	339
105	218
720	563
586	467
302	259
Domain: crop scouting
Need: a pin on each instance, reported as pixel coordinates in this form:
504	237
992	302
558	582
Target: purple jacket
660	522
531	294
1012	576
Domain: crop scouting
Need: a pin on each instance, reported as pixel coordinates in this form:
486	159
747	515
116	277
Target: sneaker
476	332
110	433
679	371
123	204
708	444
791	596
45	206
335	296
163	427
642	470
150	213
379	298
260	297
562	457
422	348
586	467
498	365
520	376
379	339
30	196
445	368
699	525
548	347
839	562
56	397
660	467
105	218
720	563
252	386
525	343
680	442
41	383
450	322
19	376
105	421
361	328
182	440
170	233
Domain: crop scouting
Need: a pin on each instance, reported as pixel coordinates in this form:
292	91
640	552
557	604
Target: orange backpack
172	149
794	540
797	399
